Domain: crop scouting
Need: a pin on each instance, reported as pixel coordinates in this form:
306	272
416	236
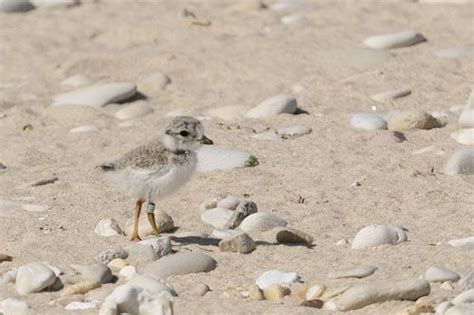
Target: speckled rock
241	243
274	106
414	119
108	255
375	235
294	132
180	264
244	209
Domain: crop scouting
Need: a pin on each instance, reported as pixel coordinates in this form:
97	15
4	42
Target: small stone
283	5
261	222
212	157
84	128
78	305
15	6
9	276
2	166
291	19
414	119
80	288
4	258
241	243
287	235
15	306
95	272
447	285
154	83
466	119
34	277
276	277
390	95
375	235
180	264
314	292
134	110
163	221
128	272
98	95
244	209
464	297
229	202
467	281
353	272
416	309
275	292
117	263
148	250
395	40
248	5
466	243
366	294
461	162
255	293
342	242
464	136
108	227
368	121
194	289
107	255
440	274
208	204
298	291
274	106
294	132
313	303
77	80
217	217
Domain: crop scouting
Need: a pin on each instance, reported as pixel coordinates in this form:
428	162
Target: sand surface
242	58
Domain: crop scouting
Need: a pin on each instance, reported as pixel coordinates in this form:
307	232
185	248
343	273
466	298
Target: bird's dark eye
184	133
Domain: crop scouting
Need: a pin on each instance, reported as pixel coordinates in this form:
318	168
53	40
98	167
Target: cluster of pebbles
133	279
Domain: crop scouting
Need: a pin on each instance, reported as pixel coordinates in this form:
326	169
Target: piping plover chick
159	168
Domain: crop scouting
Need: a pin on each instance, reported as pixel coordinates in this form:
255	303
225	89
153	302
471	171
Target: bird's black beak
205	140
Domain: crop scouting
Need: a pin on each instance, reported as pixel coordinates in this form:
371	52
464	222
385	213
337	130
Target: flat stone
34	277
55	3
229	202
244	209
353	272
440	274
217	217
98	95
366	294
15	6
464	297
292	19
261	222
195	289
94	272
464	136
284	5
134	110
452	52
241	243
287	235
294	132
390	95
276	277
368	121
395	40
461	162
376	235
211	157
163	221
414	119
15	306
108	227
274	106
466	243
266	135
180	264
77	80
84	128
148	250
108	255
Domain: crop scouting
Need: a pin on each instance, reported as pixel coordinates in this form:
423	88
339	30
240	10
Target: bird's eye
184	133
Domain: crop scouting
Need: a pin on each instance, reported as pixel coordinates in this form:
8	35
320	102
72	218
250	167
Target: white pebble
466	243
291	19
440	274
211	157
375	235
229	202
108	227
461	162
127	272
464	136
217	217
452	52
85	128
261	222
15	306
34	277
466	119
395	40
276	277
464	297
134	110
390	95
274	106
368	121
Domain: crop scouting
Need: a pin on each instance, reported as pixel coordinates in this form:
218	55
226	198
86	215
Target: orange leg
151	219
138	209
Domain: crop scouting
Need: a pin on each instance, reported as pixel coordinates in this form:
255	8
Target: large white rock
11	6
34	277
261	222
108	227
464	297
276	277
440	274
274	106
464	136
395	40
15	306
97	95
141	295
217	217
368	121
211	157
466	243
180	264
375	235
461	162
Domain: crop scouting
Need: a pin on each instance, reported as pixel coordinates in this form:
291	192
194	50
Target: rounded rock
274	106
395	40
34	277
261	222
180	264
229	202
368	121
163	221
461	162
241	243
108	227
414	119
375	235
440	274
287	235
194	289
15	6
276	277
134	110
217	217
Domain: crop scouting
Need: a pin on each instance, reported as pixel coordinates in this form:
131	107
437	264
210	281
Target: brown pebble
313	303
4	257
